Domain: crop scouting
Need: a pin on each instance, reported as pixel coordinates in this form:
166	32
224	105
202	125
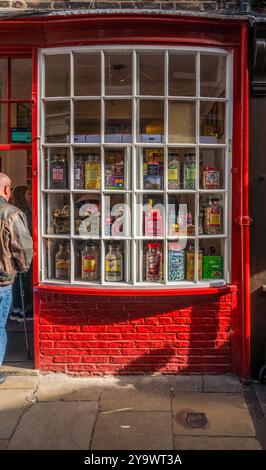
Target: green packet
212	267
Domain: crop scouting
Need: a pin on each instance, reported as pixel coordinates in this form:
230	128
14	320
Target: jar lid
154	245
210	168
174	246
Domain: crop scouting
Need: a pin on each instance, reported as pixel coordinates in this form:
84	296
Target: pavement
45	412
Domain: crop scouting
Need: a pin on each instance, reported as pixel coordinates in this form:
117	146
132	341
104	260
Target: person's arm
20	242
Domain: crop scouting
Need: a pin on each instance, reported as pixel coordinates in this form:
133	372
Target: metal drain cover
196	420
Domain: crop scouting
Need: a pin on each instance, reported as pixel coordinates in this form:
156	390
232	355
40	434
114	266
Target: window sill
136	291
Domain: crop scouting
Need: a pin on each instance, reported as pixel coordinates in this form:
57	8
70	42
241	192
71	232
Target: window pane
57	75
57	214
211	214
150	256
87	74
190	262
3	123
182	122
117	215
117	169
181	215
56	168
150	74
87	168
150	168
57	122
21	77
177	250
118	73
57	259
118	121
21	123
150	215
17	164
212	169
182	75
117	261
151	121
3	78
212	122
87	121
87	215
87	261
181	168
212	75
212	251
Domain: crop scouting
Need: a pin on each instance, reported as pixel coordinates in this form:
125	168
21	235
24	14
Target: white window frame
226	146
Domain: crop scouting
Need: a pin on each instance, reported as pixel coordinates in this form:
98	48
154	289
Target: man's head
5	186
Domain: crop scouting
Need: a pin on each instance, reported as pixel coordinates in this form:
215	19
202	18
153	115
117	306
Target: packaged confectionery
213	220
113	265
190	263
176	262
154	260
210	177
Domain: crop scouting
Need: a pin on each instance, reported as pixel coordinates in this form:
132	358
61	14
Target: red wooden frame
56	31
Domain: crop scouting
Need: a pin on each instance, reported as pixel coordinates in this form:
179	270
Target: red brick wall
134	335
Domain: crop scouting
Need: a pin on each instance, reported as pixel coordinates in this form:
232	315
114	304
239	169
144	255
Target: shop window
134	183
15	101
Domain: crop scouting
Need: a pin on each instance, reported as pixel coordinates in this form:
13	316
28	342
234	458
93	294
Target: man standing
15	255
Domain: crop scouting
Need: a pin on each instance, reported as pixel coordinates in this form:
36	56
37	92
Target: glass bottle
176	263
79	173
62	263
89	263
210	177
92	172
113	265
190	263
189	173
173	172
213	217
58	172
154	261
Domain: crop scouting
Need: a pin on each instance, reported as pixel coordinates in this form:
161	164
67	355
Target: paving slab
136	394
19	368
133	431
12	405
216	443
3	444
186	383
51	426
227	414
20	381
226	383
68	389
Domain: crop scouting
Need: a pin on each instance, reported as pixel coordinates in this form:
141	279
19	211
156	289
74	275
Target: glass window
87	74
21	71
150	73
213	75
57	75
182	74
134	184
3	78
15	101
118	73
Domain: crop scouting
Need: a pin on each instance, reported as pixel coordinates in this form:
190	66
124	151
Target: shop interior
16	162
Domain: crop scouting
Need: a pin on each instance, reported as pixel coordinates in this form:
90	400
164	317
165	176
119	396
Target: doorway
17	164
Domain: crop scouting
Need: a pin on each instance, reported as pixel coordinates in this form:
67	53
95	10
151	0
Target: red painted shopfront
136	86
